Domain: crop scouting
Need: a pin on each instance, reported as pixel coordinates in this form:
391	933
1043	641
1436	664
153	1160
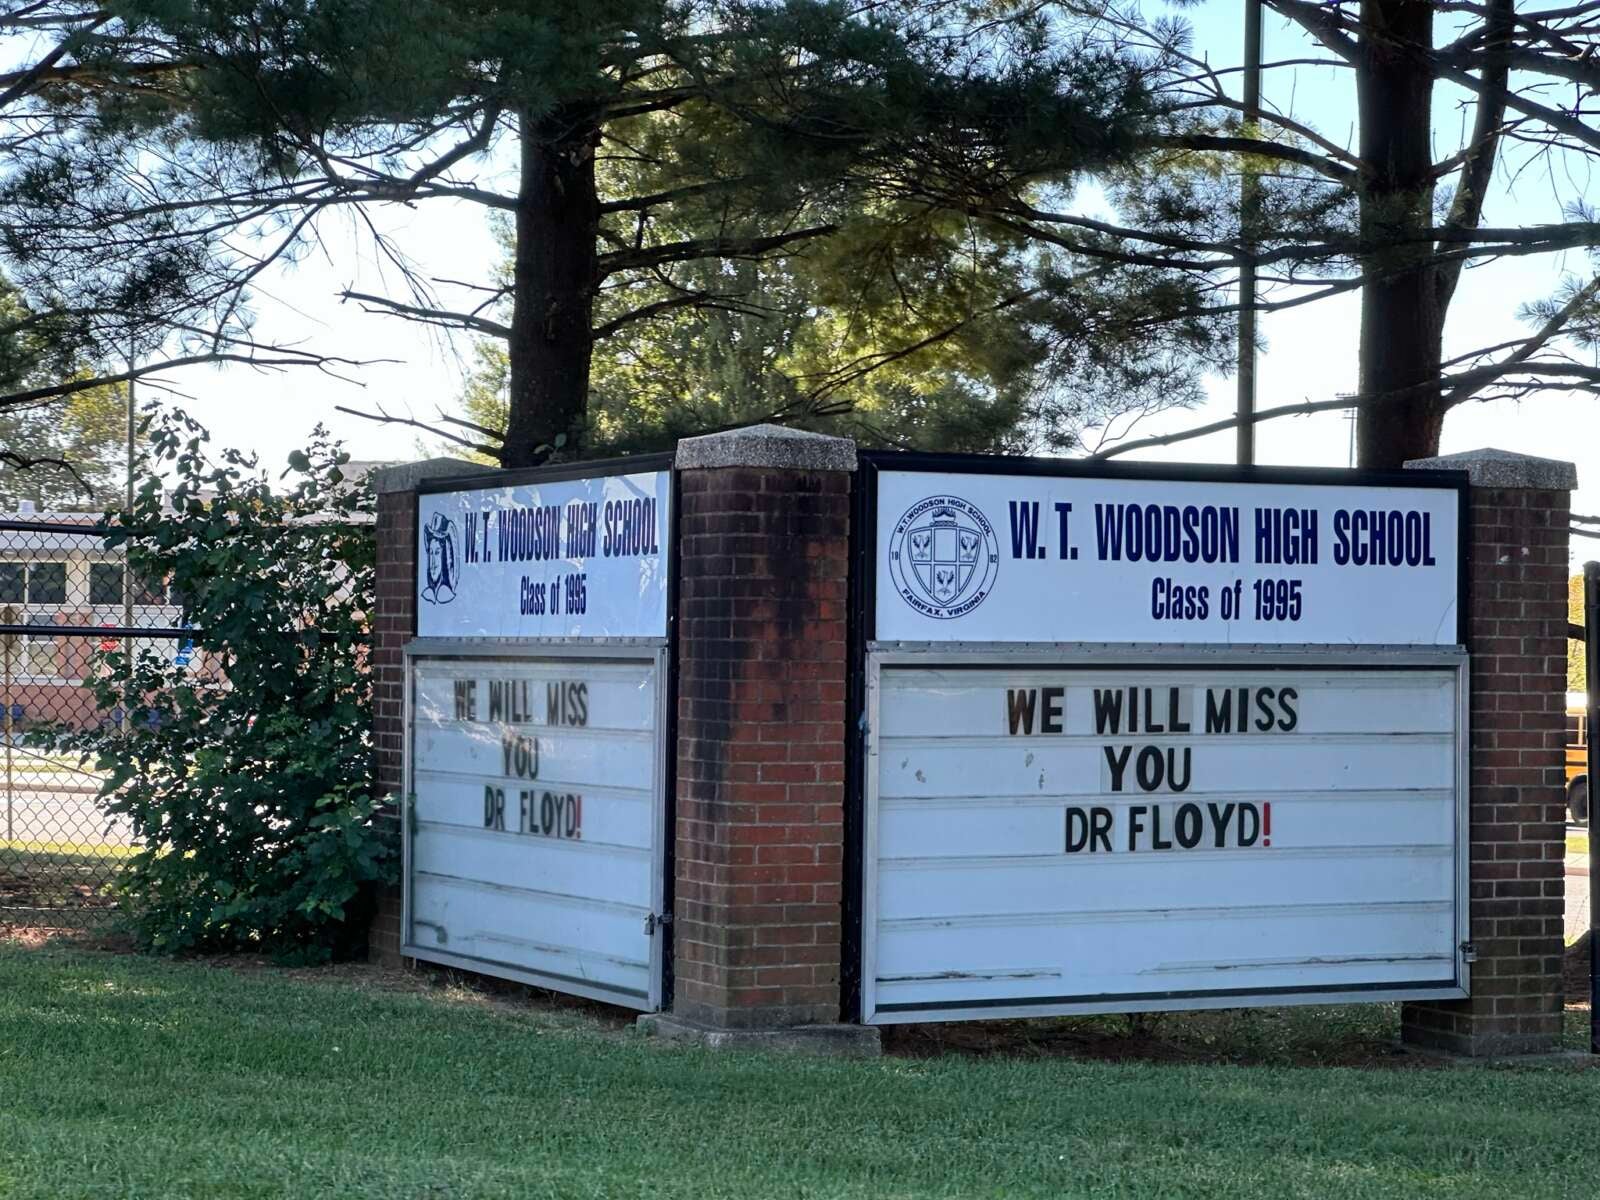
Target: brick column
1517	637
763	535
394	623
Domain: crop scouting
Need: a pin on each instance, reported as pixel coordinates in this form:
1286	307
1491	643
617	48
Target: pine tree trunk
1402	323
555	273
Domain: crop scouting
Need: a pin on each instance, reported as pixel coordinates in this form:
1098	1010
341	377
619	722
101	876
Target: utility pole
1249	212
127	567
8	646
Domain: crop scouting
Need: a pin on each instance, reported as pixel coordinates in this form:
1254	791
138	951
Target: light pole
8	644
127	562
127	567
1249	211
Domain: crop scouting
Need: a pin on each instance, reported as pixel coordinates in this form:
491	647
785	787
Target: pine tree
653	157
1397	218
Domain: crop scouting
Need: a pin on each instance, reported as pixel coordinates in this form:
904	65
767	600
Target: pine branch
19	83
1472	380
23	462
1325	24
1466	208
865	364
281	358
1542	336
1255	418
1557	120
382	417
697	300
430	316
713	247
672	195
1262	149
94	75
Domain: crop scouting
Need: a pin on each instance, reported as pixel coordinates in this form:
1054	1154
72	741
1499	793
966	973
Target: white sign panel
534	833
571	558
1013	558
1085	838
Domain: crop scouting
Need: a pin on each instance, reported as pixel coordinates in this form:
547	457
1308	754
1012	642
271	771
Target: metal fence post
8	642
1591	641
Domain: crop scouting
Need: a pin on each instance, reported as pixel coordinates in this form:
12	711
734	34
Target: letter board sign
1087	836
553	558
535	822
973	556
1159	738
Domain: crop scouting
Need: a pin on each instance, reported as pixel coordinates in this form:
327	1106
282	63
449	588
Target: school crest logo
439	552
943	556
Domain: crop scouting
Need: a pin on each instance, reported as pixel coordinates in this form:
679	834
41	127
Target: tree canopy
1388	217
56	452
984	222
117	242
654	159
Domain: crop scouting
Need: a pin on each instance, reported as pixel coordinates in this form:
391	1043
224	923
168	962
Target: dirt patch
33	936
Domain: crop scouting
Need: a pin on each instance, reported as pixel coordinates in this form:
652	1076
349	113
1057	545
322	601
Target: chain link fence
65	599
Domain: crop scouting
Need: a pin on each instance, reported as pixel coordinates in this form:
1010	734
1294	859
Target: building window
105	583
40	656
11	577
47	583
149	591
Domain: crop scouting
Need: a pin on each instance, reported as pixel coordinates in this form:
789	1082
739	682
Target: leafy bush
246	771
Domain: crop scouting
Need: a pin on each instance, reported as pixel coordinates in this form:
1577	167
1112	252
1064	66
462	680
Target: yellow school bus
1578	757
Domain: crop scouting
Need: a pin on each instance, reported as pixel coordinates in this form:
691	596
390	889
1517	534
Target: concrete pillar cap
1503	469
767	446
404	477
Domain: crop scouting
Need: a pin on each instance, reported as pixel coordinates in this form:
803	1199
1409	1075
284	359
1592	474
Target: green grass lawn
63	853
126	1077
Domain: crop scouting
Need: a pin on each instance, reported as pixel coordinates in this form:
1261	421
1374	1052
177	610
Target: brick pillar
394	623
763	534
1517	637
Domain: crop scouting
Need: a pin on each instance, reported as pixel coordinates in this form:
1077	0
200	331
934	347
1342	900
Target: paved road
58	815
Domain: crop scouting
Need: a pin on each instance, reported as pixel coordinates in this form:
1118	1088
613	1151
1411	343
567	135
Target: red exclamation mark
1266	823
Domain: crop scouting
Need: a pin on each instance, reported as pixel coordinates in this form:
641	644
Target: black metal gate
65	600
1589	634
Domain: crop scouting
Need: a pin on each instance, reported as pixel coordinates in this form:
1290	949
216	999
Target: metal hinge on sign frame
655	921
1469	952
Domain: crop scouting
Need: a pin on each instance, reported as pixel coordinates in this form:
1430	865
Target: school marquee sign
575	557
536	763
1119	740
1137	741
1014	558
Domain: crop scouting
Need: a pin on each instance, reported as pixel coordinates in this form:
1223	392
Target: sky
1309	352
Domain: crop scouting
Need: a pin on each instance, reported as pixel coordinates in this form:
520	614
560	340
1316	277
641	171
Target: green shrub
247	771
